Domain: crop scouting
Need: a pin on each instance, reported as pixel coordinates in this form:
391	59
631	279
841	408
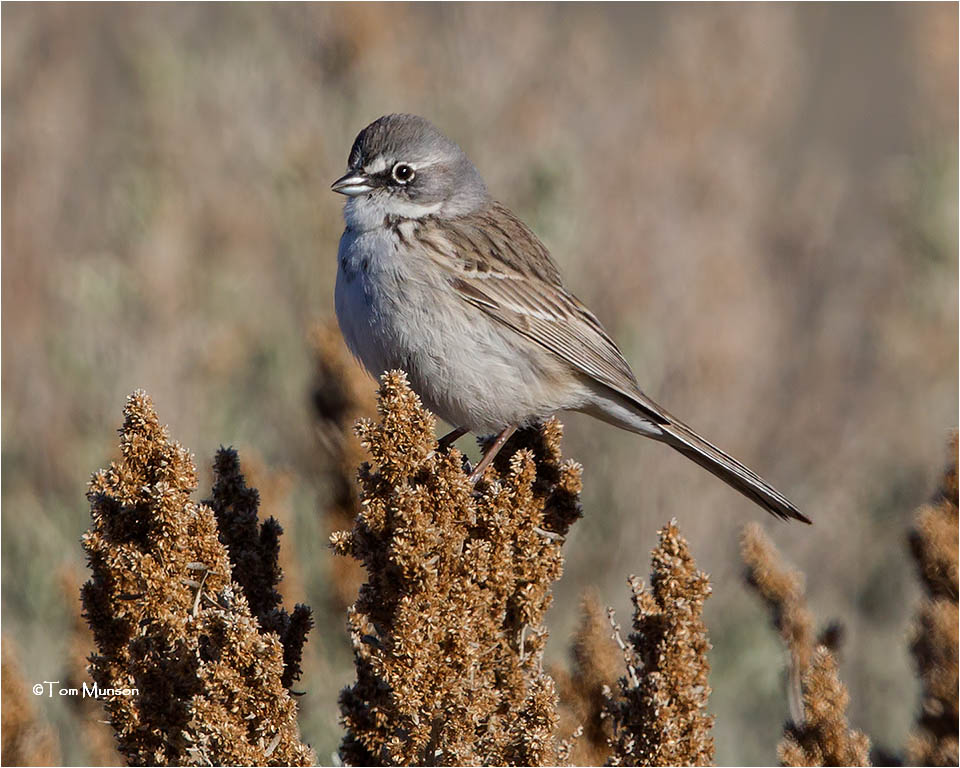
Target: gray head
401	165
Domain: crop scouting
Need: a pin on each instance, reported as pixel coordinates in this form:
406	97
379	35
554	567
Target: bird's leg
491	453
450	438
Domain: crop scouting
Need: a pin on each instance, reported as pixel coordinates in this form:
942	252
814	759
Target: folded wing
498	265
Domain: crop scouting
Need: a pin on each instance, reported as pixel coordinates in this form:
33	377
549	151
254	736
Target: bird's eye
403	173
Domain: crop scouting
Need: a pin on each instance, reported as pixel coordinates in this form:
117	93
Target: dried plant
254	550
782	590
595	666
659	715
818	733
341	394
933	541
447	631
824	737
188	675
275	487
27	740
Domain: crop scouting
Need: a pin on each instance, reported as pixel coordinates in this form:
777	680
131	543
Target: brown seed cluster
818	733
254	550
824	737
659	715
933	541
193	678
782	589
595	664
448	630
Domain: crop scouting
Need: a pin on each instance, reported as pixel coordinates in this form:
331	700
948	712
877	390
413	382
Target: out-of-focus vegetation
934	645
760	202
817	732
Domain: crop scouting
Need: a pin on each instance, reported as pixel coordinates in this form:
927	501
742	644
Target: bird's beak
352	183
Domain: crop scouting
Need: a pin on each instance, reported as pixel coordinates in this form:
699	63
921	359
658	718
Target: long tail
680	437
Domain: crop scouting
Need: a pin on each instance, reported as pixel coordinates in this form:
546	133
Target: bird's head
402	166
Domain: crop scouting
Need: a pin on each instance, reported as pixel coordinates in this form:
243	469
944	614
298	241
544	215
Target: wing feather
485	268
495	263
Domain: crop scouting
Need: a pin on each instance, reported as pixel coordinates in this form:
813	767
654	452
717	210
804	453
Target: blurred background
760	203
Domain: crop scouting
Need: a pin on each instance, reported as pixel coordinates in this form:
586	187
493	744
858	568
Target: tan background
760	202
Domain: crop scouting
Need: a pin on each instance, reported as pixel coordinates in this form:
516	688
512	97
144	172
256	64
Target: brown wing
497	264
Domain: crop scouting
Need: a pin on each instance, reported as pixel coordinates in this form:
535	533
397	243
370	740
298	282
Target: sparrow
438	279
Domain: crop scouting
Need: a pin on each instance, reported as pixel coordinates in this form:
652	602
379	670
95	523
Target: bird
437	278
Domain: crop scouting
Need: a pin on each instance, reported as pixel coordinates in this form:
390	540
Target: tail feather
683	439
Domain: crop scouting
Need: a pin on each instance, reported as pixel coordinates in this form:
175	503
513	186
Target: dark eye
402	173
